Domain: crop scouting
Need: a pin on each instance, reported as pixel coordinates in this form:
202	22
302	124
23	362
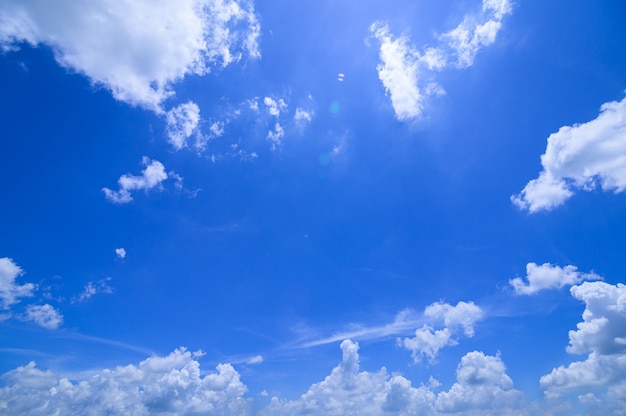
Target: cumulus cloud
151	177
428	341
10	291
182	121
548	276
139	49
120	253
44	315
476	31
580	157
91	289
171	385
482	388
275	135
303	117
601	335
407	74
274	107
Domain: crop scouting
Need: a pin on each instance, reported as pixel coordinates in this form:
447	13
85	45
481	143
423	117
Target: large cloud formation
601	335
482	388
407	74
136	49
580	157
171	385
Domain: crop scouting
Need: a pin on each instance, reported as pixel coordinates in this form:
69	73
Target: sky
228	207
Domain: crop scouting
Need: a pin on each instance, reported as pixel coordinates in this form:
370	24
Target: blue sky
284	208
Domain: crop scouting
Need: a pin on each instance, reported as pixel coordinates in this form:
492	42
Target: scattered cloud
151	177
303	117
407	74
171	385
601	335
476	31
91	289
275	135
120	253
580	157
137	50
182	121
44	315
482	387
10	291
548	276
274	107
428	341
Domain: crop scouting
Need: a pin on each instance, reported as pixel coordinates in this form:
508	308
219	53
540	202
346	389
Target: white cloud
274	107
171	385
399	73
182	121
406	74
275	136
120	253
428	341
44	315
548	276
257	359
91	289
136	49
476	31
482	388
10	291
303	117
580	157
150	178
601	334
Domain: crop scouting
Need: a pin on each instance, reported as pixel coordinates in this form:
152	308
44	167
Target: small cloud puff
151	177
120	253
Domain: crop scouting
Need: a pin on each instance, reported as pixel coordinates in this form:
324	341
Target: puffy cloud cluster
182	121
11	292
151	177
407	74
580	157
171	385
548	276
428	341
482	388
135	49
601	335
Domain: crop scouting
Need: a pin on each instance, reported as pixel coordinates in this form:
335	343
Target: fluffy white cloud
476	32
10	291
601	334
120	252
91	289
151	177
406	74
428	341
399	71
171	385
482	388
136	49
274	107
548	276
182	121
44	315
303	117
580	157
